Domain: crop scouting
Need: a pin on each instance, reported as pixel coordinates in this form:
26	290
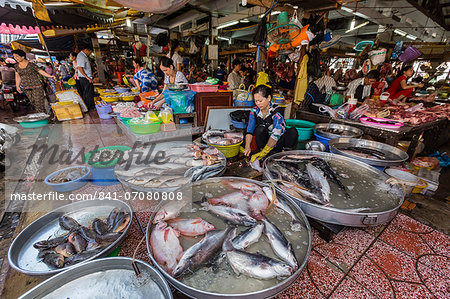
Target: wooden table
205	99
436	132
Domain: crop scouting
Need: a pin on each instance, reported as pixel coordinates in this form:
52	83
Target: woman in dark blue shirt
267	124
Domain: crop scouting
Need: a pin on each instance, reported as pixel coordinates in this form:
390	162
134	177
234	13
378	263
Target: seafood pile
364	152
182	165
130	113
68	175
220	137
245	205
81	242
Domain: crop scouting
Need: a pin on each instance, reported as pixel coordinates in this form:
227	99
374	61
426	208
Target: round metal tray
27	119
23	257
265	293
343	216
394	155
53	285
348	130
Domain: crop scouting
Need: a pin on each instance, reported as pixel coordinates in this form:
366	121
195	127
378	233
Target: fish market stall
333	188
432	131
233	259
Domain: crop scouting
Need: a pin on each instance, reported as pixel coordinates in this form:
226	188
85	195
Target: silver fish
235	216
279	243
248	237
295	224
299	192
141	180
170	210
199	253
318	178
253	265
175	182
158	181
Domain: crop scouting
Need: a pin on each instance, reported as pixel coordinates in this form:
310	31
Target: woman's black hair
19	52
173	45
263	90
74	54
404	69
138	61
48	64
166	62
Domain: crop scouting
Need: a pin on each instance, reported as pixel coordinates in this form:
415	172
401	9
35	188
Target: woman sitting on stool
266	123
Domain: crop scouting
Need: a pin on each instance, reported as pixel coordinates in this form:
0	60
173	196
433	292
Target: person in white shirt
326	82
86	77
361	88
173	54
235	77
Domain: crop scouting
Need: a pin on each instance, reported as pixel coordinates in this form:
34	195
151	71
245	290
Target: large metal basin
348	131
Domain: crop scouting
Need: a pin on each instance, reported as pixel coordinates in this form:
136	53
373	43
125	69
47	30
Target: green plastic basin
304	128
144	129
109	163
34	124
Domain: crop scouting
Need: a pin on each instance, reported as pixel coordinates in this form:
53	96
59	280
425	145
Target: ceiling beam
186	17
436	16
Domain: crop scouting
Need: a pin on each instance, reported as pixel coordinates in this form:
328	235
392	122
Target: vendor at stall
171	76
144	79
361	89
266	123
399	89
235	77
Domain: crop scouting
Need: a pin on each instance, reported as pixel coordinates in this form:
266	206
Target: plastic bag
180	101
263	78
166	115
294	20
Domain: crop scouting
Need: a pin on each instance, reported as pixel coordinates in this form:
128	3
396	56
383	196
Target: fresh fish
112	216
68	223
258	204
176	171
253	265
269	193
87	233
237	200
191	227
369	151
66	249
248	237
121	223
329	173
233	215
143	179
78	242
301	177
99	226
247	186
50	243
200	252
279	243
300	193
53	259
296	225
177	182
158	181
131	172
196	173
170	210
166	247
80	257
318	179
283	173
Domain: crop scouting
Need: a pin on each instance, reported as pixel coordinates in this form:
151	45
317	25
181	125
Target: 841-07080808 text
156	196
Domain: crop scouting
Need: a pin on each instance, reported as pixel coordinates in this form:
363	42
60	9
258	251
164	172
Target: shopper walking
86	77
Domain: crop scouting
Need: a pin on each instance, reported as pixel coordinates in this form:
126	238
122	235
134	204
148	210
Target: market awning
56	44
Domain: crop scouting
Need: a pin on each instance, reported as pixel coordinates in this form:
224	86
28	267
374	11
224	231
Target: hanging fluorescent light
357	27
227	24
352	24
276	12
128	23
400	32
245	21
410	36
295	7
223	38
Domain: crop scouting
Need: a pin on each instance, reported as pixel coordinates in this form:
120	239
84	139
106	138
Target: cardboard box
67	112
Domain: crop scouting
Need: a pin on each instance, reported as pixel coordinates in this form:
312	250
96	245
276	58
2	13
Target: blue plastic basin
72	185
322	139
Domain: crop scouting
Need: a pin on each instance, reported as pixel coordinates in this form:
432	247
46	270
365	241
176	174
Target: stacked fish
81	242
220	137
306	177
184	164
246	206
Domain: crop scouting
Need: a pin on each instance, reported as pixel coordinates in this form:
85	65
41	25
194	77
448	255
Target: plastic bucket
304	128
322	139
34	124
408	180
103	111
229	151
103	176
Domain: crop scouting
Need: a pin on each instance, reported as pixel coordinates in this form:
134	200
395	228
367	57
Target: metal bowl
177	86
264	293
55	285
394	155
340	88
22	256
348	131
31	117
316	146
368	184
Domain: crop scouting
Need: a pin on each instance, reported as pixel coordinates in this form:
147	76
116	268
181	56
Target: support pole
98	59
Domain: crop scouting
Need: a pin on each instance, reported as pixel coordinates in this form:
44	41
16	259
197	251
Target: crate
67	112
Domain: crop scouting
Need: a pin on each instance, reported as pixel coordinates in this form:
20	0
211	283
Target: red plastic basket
203	87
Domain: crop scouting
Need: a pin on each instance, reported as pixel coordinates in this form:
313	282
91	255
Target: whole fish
50	243
78	242
191	227
142	180
53	259
170	210
99	226
199	253
82	256
159	181
237	200
258	204
67	222
330	173
318	179
166	247
247	186
248	237
131	172
233	215
175	182
301	193
301	177
279	243
283	173
253	265
296	225
66	249
121	223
